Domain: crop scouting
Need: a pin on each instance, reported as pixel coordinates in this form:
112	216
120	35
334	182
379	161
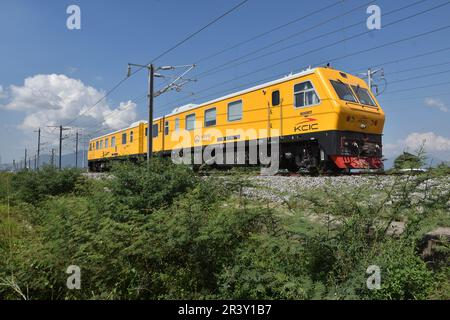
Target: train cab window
106	143
113	142
96	145
190	122
124	138
131	136
235	111
155	130
343	91
210	117
305	95
101	144
275	98
177	124
166	128
363	96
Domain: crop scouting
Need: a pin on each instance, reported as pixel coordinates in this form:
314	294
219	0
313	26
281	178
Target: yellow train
321	117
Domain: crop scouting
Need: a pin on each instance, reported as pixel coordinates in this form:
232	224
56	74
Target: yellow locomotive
321	117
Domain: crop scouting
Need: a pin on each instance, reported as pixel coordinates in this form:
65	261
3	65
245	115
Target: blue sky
85	63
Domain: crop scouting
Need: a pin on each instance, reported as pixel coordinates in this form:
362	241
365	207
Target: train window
210	117
106	143
96	145
305	95
235	111
124	138
190	122
101	144
166	128
177	124
343	91
275	98
113	142
363	96
131	136
155	130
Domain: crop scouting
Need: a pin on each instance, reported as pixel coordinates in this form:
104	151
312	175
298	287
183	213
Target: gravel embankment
279	188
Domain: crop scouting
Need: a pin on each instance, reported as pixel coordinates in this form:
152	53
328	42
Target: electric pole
83	143
61	129
38	149
53	158
14	165
25	166
151	75
76	150
151	94
35	162
60	146
369	75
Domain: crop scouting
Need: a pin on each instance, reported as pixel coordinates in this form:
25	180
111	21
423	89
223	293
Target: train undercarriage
320	152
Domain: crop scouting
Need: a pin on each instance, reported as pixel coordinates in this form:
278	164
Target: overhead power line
418	88
420	76
156	58
324	47
229	64
268	32
416	36
200	30
401	59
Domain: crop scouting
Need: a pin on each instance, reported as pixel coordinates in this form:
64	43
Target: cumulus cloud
2	92
119	118
431	141
52	99
436	103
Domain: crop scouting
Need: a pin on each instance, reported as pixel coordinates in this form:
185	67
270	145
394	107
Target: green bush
148	188
161	232
34	186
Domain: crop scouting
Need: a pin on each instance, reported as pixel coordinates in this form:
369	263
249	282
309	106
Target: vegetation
409	161
162	232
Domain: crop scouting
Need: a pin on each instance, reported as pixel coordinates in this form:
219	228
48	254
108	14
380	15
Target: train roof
192	106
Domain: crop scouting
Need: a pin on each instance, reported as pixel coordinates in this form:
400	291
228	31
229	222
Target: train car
322	118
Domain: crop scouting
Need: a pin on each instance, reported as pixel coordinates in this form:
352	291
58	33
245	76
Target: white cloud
436	103
2	92
52	99
431	141
122	116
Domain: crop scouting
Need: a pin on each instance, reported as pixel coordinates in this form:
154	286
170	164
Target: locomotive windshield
363	96
343	91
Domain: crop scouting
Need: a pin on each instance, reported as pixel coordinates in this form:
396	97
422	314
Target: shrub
148	188
34	186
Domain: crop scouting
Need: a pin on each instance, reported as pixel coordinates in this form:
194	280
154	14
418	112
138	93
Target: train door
157	131
275	113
